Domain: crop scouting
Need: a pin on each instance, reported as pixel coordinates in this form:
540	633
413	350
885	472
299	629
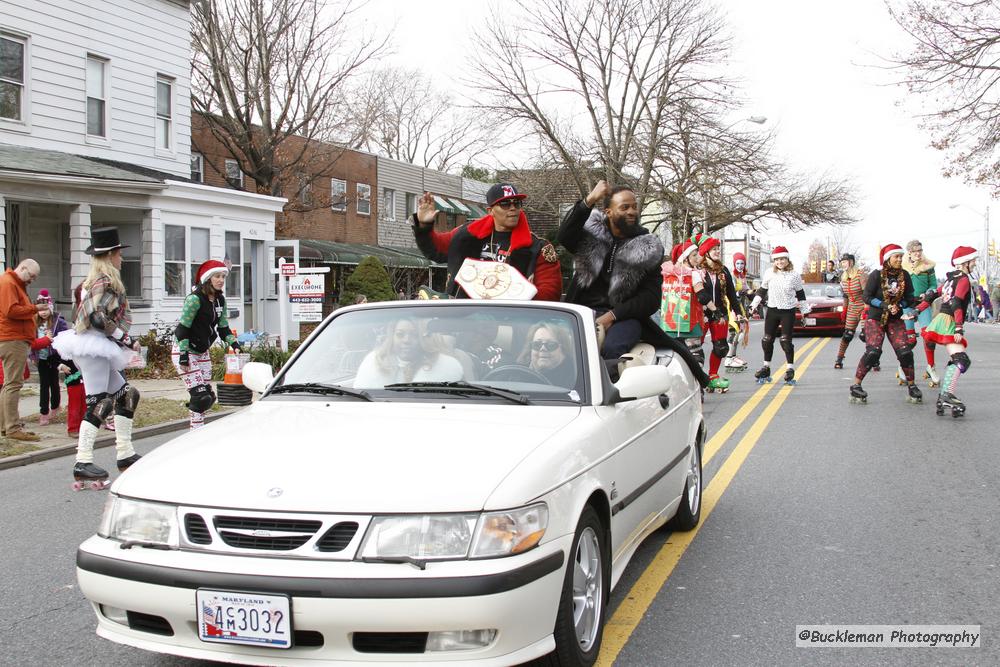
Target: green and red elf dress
956	293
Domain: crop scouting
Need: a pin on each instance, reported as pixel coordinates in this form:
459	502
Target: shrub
370	279
158	342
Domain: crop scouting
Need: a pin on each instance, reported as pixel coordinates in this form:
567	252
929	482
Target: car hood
352	457
824	301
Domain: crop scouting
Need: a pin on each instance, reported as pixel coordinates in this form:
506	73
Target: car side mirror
257	376
642	382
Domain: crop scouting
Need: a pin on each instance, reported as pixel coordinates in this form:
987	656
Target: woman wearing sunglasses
549	352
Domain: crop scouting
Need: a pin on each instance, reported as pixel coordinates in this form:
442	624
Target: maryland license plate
809	321
244	618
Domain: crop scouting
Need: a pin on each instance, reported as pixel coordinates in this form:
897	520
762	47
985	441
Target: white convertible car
429	482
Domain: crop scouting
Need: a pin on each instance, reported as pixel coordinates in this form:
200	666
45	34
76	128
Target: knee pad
871	357
126	400
720	347
848	335
202	398
786	345
99	408
905	357
961	359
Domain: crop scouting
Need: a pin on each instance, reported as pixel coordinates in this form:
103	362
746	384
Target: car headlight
455	536
839	309
148	523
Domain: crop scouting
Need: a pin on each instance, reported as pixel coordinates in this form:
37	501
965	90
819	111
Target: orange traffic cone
234	374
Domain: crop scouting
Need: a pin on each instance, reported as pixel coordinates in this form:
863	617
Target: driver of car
407	354
549	352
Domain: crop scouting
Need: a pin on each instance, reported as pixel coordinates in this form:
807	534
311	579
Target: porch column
152	256
79	240
3	233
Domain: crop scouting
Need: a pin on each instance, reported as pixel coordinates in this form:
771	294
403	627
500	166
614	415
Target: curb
104	441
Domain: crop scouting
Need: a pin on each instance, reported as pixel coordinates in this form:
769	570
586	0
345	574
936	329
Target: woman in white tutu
100	346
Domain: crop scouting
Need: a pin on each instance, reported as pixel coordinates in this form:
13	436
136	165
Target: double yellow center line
630	612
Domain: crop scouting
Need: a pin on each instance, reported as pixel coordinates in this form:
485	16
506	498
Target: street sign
305	293
288	269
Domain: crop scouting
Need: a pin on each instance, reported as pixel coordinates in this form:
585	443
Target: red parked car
827	316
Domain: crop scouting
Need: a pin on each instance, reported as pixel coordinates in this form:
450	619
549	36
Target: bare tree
266	71
412	122
635	91
952	69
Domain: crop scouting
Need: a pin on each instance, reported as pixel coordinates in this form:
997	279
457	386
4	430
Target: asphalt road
817	512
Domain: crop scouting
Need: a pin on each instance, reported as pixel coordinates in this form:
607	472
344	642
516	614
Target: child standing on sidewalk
50	324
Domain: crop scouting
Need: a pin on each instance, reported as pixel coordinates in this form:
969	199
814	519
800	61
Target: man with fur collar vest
502	235
616	265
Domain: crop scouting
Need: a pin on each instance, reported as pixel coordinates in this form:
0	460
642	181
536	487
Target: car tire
578	640
689	513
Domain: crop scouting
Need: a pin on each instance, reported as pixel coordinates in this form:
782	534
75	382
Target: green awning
462	208
443	204
331	252
476	211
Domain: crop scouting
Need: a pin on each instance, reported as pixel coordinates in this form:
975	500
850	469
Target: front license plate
809	321
244	618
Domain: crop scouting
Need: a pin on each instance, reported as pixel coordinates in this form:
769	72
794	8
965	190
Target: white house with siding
95	131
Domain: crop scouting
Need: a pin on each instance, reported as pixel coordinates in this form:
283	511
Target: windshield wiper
320	388
459	388
407	560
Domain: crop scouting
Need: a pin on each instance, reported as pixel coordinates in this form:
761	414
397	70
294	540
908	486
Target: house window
389	204
174	256
12	77
164	112
234	175
564	209
200	251
197	168
364	199
97	96
232	260
411	204
305	190
338	194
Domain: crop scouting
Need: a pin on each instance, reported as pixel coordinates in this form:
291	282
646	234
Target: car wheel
689	513
586	588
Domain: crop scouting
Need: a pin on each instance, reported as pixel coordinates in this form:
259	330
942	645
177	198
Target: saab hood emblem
274	492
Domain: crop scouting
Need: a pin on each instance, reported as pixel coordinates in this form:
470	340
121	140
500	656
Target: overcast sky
811	69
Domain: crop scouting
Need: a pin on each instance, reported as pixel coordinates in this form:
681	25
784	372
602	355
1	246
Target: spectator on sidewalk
995	298
50	325
17	331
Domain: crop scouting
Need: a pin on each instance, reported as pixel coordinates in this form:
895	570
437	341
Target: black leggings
775	317
48	385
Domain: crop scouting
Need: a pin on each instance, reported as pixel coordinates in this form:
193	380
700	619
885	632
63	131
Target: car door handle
664	401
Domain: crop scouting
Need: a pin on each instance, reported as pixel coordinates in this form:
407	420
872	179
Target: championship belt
493	280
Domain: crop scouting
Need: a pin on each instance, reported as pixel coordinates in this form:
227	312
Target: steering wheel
514	373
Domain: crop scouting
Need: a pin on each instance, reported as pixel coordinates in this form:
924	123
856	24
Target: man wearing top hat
502	235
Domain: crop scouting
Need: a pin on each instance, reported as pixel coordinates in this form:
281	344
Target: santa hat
675	252
209	269
779	252
706	245
686	249
888	251
963	254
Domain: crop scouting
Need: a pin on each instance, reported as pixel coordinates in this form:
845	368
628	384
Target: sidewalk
161	410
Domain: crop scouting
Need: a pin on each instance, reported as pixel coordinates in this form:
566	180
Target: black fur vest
634	257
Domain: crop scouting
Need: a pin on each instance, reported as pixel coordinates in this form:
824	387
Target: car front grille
273	534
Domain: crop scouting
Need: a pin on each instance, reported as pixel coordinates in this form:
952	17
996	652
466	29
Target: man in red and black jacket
502	235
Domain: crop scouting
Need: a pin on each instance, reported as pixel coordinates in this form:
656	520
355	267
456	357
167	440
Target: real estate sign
305	293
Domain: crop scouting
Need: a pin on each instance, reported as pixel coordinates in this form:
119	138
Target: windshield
432	352
824	291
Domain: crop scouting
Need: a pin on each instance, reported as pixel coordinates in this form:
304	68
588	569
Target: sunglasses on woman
506	204
547	345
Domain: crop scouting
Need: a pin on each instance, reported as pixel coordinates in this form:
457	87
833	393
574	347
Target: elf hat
888	251
687	249
209	269
963	254
675	252
779	252
706	245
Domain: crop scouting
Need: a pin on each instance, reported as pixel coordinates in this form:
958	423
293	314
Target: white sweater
781	287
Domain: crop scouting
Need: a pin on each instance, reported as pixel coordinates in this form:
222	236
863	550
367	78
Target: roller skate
790	377
124	464
947	401
88	475
876	369
858	395
932	377
717	384
900	376
839	363
914	394
735	365
763	375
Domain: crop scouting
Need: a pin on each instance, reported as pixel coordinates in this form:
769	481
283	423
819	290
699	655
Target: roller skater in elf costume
924	280
100	346
718	297
202	321
738	329
947	328
782	290
681	311
888	293
854	303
